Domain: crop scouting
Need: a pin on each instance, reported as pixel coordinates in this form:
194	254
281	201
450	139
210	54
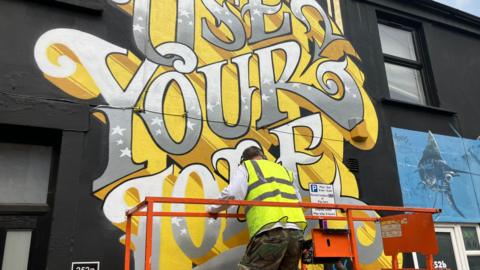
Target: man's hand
212	211
216	208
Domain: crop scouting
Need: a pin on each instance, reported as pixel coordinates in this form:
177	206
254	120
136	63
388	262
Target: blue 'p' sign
313	188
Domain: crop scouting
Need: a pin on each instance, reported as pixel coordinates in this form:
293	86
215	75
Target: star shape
296	85
195	110
265	97
271	90
118	130
126	152
190	125
158	132
180	20
176	221
267	82
138	28
185	13
256	12
183	231
140	18
244	99
156	121
119	142
210	107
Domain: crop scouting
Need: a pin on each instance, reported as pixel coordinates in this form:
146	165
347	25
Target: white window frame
419	64
458	244
468	252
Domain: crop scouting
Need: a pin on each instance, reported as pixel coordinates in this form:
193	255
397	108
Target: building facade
103	103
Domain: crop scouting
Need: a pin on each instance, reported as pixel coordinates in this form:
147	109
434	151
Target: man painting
276	233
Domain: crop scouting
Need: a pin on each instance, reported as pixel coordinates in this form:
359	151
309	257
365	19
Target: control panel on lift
405	233
328	245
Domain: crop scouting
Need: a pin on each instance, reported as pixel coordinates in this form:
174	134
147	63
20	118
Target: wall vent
353	165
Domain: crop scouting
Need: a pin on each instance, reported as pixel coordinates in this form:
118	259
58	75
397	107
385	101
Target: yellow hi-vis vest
271	182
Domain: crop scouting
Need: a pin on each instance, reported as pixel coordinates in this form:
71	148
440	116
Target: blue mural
439	171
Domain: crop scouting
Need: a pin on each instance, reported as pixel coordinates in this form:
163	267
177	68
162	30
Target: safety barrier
401	242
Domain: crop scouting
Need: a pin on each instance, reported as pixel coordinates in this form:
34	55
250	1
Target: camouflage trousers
275	249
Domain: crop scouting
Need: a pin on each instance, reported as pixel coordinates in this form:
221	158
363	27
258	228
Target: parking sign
321	193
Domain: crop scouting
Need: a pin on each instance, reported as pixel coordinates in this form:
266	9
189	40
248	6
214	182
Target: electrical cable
185	116
477	197
138	109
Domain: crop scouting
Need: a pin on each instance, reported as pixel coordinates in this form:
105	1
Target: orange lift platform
411	231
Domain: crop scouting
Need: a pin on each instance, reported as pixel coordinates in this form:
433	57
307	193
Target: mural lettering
214	78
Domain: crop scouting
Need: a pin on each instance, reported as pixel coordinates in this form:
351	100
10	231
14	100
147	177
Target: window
28	158
24	181
471	240
25	173
459	247
403	63
16	250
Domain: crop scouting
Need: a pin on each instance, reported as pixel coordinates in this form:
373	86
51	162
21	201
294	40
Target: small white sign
321	193
85	265
439	265
391	229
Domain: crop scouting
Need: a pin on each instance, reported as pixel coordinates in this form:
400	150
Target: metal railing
348	209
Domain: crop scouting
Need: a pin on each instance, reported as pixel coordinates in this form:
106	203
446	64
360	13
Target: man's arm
236	190
297	190
294	180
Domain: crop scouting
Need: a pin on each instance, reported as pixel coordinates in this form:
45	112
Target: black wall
28	99
452	63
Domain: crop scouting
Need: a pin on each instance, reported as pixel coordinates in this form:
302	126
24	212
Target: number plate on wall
85	265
